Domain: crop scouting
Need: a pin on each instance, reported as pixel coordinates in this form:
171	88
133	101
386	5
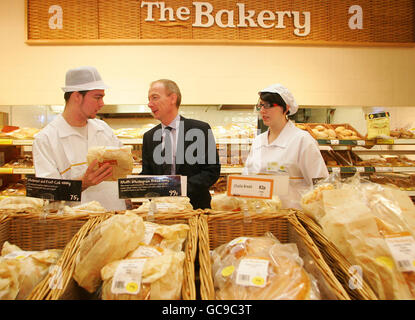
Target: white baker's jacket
59	152
295	152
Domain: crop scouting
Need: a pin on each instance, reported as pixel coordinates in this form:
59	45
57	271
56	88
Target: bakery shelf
369	169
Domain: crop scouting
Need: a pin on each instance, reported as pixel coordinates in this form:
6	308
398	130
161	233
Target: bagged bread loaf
111	240
21	271
85	208
260	268
223	202
120	159
362	218
22	203
154	277
166	204
165	236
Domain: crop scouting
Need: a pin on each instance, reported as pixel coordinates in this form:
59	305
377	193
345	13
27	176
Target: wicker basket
189	217
48	288
337	262
33	232
216	228
69	290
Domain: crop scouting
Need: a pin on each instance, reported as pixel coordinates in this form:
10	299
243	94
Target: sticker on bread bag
127	277
252	272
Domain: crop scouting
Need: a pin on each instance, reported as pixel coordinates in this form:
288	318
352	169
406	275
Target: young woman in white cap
284	149
60	149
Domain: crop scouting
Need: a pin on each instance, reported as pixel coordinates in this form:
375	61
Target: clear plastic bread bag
356	230
111	240
260	268
311	200
155	277
21	271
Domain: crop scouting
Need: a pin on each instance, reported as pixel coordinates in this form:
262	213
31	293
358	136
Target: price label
250	187
360	169
6	142
334	142
6	170
335	169
252	272
361	142
152	186
383	169
127	277
402	247
54	189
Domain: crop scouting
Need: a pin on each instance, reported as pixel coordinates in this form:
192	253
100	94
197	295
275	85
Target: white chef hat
285	94
83	79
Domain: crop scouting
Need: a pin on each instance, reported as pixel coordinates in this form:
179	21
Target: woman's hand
93	177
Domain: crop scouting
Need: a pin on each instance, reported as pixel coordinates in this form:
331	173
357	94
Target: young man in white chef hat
60	149
284	149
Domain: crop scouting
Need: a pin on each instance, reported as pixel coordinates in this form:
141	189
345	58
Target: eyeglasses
265	105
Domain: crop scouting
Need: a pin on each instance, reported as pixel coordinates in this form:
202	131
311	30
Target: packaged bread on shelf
120	159
111	240
223	202
21	271
165	204
157	277
85	208
260	268
23	203
169	237
365	220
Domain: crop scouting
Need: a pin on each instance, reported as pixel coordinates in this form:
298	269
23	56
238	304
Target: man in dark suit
180	146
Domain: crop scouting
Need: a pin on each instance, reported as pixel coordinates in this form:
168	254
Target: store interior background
351	80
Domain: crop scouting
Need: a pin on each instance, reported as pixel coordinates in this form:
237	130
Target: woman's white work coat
295	152
59	152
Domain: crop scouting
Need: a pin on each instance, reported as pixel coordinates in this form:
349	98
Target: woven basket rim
366	292
207	287
43	292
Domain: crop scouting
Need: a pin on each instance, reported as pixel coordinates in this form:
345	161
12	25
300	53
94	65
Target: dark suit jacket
195	143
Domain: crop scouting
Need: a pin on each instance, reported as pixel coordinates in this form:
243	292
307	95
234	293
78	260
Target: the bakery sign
310	21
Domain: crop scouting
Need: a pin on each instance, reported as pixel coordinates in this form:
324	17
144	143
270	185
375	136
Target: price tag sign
334	142
54	189
361	142
152	186
259	187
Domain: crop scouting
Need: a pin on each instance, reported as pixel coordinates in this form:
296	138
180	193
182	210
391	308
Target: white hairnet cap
285	94
83	79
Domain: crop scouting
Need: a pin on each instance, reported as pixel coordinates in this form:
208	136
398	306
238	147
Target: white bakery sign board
257	186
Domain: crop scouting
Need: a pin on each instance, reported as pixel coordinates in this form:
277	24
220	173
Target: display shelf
335	142
218	141
350	169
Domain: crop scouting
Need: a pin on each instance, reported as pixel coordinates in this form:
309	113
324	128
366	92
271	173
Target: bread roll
120	159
